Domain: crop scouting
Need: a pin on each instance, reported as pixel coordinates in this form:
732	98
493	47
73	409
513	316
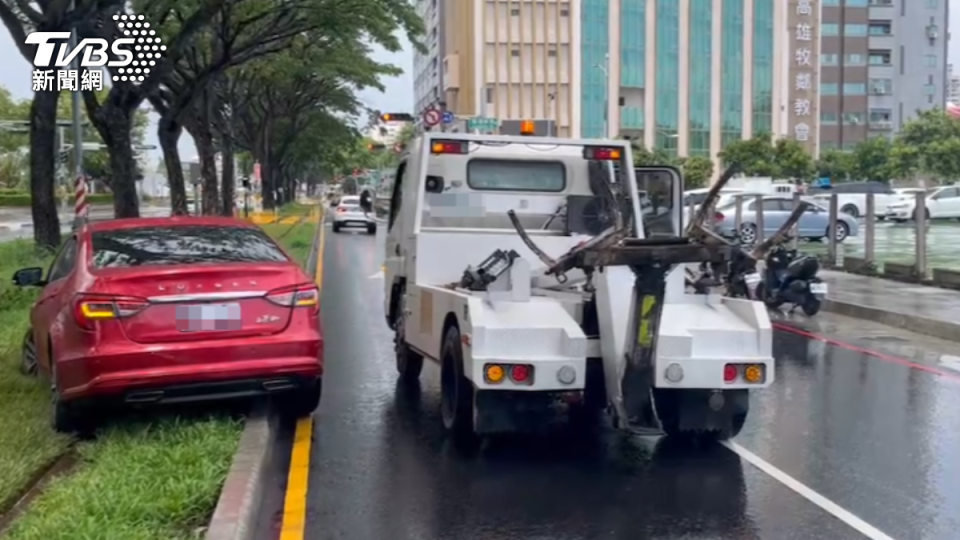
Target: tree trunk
43	163
228	176
207	155
117	126
169	132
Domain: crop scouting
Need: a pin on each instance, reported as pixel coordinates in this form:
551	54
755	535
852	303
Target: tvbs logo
131	56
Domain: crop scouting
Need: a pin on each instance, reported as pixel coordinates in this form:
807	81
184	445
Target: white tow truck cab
513	335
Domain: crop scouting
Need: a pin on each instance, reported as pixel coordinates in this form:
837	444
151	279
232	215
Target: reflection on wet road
871	436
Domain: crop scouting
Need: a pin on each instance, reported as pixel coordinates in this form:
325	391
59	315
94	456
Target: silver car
814	224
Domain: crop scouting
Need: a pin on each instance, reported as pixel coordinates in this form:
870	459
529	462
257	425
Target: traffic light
396	117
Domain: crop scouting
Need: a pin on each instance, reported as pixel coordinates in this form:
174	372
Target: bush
22	200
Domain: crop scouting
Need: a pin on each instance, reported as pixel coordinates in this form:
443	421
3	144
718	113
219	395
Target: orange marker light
526	127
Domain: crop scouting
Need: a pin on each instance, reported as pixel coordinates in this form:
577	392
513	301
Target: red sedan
172	310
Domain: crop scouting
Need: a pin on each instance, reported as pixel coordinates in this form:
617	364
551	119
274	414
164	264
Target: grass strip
27	444
296	239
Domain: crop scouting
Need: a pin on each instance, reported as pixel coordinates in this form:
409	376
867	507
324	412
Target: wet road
852	440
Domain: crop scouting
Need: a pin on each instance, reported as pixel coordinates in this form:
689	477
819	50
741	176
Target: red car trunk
201	302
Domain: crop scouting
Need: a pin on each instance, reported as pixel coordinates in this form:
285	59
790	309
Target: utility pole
77	115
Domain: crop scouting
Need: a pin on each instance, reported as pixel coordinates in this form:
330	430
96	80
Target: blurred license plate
208	317
818	288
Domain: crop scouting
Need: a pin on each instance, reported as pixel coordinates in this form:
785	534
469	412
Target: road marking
295	501
294	522
954	377
799	488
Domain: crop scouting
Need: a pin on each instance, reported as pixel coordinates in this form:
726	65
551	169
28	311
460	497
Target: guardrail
873	255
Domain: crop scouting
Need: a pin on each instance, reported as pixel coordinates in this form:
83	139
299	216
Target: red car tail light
296	296
88	309
718	216
341	210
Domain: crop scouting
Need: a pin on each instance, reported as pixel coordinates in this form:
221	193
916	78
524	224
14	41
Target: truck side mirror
434	184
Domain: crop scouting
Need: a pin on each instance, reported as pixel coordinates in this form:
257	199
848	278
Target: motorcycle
789	278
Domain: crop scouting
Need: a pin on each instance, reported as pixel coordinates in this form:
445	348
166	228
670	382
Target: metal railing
860	254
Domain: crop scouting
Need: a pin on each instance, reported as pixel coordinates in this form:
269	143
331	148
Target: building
513	60
427	89
711	66
953	86
690	76
881	61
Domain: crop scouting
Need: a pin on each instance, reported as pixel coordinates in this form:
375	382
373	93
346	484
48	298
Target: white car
349	214
941	203
852	197
905	195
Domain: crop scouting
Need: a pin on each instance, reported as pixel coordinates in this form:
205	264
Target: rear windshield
516	175
158	246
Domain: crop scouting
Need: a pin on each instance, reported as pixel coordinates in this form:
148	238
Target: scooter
789	278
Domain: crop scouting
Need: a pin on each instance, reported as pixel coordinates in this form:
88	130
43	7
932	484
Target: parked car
903	194
940	203
852	197
172	310
813	225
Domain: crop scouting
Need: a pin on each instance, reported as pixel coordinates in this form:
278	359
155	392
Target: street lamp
606	92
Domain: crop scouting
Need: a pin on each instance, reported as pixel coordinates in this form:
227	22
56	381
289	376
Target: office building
427	79
953	86
514	60
881	61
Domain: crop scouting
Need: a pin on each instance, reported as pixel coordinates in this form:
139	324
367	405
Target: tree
755	156
924	146
113	115
20	18
835	164
791	160
697	171
871	160
658	156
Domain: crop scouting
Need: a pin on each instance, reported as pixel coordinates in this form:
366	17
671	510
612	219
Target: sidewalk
12	223
918	308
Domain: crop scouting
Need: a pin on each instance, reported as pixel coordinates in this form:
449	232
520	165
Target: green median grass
27	444
148	477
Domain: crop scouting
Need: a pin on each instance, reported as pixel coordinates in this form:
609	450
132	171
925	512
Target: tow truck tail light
527	127
89	309
450	147
750	373
493	373
522	373
601	153
729	373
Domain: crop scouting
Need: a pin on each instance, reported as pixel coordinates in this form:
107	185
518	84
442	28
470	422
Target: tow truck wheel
456	391
671	406
409	362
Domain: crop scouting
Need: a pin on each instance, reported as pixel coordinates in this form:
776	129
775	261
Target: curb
238	507
946	330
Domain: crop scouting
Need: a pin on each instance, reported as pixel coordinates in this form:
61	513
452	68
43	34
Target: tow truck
538	271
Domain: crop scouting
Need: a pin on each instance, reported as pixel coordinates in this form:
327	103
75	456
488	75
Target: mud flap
636	384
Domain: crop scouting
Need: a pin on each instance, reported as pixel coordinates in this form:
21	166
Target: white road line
826	504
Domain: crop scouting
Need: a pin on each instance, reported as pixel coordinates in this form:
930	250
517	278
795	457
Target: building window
933	4
829	59
515	52
564	12
853	119
828	89
880	29
552	52
930	60
854	89
855	3
854	60
881	87
515	12
881	2
880	116
929	89
829	29
853	30
828	118
879	58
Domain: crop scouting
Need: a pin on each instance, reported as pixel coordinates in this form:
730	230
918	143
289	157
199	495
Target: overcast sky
15	76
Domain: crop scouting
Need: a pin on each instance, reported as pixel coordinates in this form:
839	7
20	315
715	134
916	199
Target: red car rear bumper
192	371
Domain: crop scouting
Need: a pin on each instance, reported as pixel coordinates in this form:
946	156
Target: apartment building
881	61
953	86
427	77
